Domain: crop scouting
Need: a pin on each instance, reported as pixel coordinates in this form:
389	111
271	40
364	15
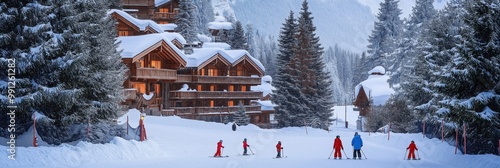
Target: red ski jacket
338	144
412	147
278	147
245	145
219	145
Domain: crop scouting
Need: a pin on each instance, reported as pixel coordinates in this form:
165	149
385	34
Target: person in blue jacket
357	143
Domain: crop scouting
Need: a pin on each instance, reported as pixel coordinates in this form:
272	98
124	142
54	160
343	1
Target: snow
185	88
376	87
220	25
175	36
176	142
148	96
131	46
265	87
141	24
218	45
200	55
168	26
377	69
160	2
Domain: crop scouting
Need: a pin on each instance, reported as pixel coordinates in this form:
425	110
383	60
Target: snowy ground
176	142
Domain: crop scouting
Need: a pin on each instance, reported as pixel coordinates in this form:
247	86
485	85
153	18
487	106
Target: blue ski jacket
356	142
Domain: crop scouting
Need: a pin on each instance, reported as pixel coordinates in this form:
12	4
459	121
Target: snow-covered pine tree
383	38
24	31
410	42
285	95
249	36
241	117
238	40
186	20
315	82
205	14
471	85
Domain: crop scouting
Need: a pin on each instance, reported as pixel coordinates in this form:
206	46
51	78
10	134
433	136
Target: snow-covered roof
141	24
220	25
201	55
219	45
168	26
377	69
160	2
376	87
131	46
266	105
175	36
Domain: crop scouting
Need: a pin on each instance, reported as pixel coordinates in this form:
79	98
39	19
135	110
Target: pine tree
383	39
238	39
204	15
240	116
186	20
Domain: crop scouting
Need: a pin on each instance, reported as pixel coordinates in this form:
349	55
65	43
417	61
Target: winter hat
245	139
279	142
356	133
338	136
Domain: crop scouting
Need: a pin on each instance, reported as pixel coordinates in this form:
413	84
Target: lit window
156	64
141	87
230	103
202	72
231	88
212	72
243	88
211	103
162	22
212	88
199	87
122	33
163	10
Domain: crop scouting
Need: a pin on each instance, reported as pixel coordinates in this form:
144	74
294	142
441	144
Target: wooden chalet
160	11
362	102
159	70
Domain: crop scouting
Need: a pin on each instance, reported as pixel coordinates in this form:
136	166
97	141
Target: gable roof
243	55
138	24
137	46
203	56
161	2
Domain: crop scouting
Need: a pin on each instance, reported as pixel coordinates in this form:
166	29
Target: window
122	33
158	89
156	64
243	88
230	103
212	72
162	22
212	88
142	63
163	10
239	71
141	87
202	72
231	88
199	87
212	103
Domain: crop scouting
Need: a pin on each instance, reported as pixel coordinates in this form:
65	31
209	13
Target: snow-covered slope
179	143
344	22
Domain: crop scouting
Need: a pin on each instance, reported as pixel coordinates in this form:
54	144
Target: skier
245	145
357	143
337	146
279	148
219	146
412	148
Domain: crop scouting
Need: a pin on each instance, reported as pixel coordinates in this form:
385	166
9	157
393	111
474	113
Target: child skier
279	148
357	143
412	149
245	145
219	146
337	146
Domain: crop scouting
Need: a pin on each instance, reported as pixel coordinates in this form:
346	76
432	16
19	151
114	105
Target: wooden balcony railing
219	79
162	15
214	95
130	93
153	73
180	111
135	2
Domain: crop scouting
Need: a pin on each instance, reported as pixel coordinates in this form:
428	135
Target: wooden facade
161	13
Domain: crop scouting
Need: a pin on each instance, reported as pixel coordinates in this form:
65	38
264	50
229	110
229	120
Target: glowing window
122	33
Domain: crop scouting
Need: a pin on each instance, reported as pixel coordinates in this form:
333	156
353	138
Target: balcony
219	79
183	111
162	15
153	73
214	95
134	3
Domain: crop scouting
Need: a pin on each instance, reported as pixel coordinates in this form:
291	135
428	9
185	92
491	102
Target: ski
279	157
218	156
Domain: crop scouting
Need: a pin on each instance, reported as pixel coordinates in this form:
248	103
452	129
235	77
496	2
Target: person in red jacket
219	147
337	146
279	148
412	149
245	145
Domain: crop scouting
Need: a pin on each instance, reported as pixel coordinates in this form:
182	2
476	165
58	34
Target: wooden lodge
205	85
160	11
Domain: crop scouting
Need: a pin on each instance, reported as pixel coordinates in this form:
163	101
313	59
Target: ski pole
330	154
418	155
363	153
405	154
345	154
251	150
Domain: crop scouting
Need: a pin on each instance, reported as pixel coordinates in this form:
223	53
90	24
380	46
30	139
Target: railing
219	79
130	93
182	111
213	95
161	15
153	73
135	2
